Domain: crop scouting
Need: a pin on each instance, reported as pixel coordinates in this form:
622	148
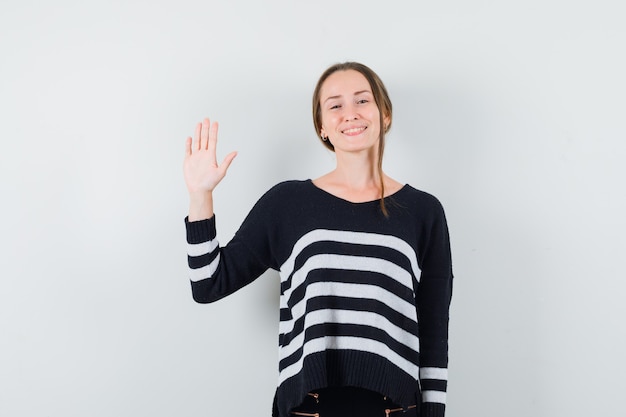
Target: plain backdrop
511	112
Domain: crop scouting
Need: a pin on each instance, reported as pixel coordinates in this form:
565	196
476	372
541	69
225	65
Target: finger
213	140
197	135
204	135
188	146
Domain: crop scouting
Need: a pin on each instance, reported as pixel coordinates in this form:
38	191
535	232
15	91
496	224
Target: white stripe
434	397
434	373
339	289
343	236
205	272
352	317
348	343
199	249
346	262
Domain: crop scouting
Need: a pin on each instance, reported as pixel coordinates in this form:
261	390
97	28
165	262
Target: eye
362	101
335	106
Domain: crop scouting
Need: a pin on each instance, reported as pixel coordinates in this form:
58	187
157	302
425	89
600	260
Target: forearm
216	271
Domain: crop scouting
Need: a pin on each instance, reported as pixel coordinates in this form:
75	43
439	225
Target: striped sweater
364	298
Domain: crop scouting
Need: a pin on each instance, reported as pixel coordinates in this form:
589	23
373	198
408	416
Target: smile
354	130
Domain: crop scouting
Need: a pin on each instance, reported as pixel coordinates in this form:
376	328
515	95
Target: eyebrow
356	94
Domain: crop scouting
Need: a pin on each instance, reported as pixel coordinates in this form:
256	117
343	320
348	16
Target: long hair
381	97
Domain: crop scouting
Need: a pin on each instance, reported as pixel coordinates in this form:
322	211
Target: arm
214	272
433	304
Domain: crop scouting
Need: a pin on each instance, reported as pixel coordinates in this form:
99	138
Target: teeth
354	130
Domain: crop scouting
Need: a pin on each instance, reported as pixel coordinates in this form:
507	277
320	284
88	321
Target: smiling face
350	117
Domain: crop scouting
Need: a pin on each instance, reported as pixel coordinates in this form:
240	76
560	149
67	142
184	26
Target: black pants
349	402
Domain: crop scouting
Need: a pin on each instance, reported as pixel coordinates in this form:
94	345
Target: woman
364	262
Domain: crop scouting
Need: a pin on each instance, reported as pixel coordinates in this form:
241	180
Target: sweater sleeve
216	271
433	304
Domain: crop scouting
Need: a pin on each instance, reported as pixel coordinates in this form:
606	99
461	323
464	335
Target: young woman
364	264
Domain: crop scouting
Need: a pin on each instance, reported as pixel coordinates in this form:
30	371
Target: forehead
342	83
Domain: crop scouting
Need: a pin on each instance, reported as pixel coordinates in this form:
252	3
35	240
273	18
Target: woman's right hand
202	173
201	170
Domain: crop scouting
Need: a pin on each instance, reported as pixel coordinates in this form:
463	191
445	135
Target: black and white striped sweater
364	298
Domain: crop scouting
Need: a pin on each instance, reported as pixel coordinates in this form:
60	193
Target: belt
315	396
388	412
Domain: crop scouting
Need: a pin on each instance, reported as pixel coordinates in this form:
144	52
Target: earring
324	138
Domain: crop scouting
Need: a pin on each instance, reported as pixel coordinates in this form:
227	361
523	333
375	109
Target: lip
354	130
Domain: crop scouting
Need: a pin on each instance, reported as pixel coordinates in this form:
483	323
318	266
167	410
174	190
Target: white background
511	112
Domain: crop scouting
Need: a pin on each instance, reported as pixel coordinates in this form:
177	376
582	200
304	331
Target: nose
350	113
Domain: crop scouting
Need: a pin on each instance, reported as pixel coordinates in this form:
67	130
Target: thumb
227	161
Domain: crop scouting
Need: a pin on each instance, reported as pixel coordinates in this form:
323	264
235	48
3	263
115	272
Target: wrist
200	205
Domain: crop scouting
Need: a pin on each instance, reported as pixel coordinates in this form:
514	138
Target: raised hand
201	170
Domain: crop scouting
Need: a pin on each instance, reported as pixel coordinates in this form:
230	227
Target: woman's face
350	116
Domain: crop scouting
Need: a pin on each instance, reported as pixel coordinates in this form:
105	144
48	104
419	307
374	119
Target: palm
201	170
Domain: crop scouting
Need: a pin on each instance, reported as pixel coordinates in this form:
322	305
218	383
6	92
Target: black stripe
352	249
352	277
434	385
366	332
196	262
328	247
354	304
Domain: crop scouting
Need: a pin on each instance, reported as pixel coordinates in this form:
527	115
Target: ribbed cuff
432	410
200	231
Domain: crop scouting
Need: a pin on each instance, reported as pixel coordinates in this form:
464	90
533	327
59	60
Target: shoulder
420	196
283	194
286	190
418	201
289	186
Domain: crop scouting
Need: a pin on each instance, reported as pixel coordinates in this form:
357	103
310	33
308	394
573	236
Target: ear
323	132
386	121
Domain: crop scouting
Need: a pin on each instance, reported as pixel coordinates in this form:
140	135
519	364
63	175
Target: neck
357	171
